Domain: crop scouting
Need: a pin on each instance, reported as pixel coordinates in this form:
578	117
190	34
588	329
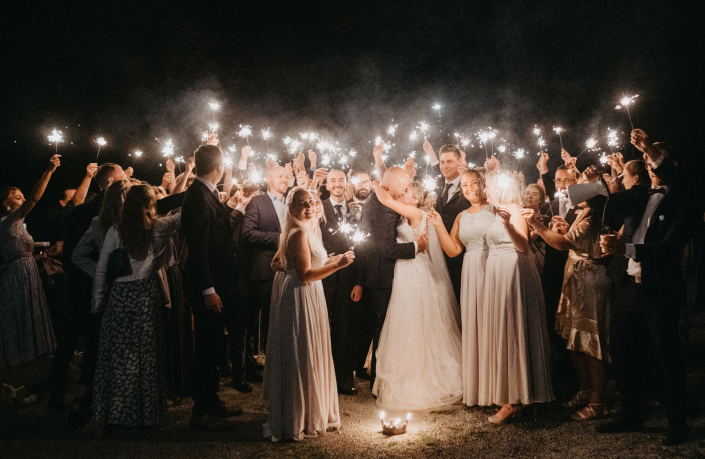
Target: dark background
133	71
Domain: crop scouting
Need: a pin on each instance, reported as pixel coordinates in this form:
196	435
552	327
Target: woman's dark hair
111	209
138	215
638	168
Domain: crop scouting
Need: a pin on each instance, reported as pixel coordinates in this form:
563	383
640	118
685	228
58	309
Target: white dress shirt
454	184
634	267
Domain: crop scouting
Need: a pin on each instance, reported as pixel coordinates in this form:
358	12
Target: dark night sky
135	70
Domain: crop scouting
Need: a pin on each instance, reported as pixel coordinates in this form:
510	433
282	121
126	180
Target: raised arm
386	241
299	244
36	194
82	191
516	226
100	288
413	213
377	152
183	178
450	243
555	240
433	159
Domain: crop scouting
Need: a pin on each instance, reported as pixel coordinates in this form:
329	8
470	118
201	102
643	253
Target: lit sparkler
590	144
56	137
625	102
168	149
101	143
138	153
391	130
215	106
612	138
430	184
558	131
503	181
246	132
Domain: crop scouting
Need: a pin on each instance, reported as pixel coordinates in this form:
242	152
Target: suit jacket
336	242
456	204
381	249
260	234
209	227
669	230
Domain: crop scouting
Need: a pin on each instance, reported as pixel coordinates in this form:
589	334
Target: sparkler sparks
56	136
591	143
168	149
541	143
228	161
429	184
537	131
519	154
138	153
391	130
503	182
423	127
612	138
215	106
246	132
558	131
266	134
101	143
501	148
436	106
626	101
603	159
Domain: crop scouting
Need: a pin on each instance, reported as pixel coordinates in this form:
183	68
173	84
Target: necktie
444	197
216	194
338	211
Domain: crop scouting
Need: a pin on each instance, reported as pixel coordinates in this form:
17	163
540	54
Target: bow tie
657	191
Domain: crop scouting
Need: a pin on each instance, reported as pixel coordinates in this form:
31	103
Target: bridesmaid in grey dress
25	327
469	231
517	372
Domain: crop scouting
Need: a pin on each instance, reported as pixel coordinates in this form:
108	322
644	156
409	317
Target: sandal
592	411
502	417
10	395
580	399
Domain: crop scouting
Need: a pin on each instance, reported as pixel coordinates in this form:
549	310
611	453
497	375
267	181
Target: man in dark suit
264	219
381	250
650	292
343	312
450	201
210	279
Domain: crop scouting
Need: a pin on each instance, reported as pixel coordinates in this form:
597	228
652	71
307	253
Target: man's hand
92	168
492	164
427	147
356	293
167	179
565	156
129	171
422	242
642	141
54	162
213	302
378	151
289	171
542	164
591	174
611	244
190	164
213	139
270	163
463	168
570	163
245	153
529	215
302	179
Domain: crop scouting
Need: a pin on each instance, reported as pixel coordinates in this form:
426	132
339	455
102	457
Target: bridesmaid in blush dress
300	390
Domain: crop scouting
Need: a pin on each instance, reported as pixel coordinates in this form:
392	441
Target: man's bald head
396	181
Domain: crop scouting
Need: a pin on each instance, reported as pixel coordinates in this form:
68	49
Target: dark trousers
455	270
366	328
244	335
344	317
380	300
638	324
209	331
68	330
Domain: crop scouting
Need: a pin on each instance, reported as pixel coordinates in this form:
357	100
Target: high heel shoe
582	398
506	414
590	412
9	395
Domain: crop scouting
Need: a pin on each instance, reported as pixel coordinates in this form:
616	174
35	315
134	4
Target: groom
381	250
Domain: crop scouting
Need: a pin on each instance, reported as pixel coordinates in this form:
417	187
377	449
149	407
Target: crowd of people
464	284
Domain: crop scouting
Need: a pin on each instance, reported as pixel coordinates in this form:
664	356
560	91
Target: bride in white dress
299	389
419	353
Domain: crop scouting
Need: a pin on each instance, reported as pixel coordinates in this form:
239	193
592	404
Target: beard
362	194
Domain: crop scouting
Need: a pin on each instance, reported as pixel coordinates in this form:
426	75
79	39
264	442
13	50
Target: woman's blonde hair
508	190
426	199
292	222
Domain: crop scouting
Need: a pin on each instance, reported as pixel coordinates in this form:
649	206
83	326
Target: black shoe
226	369
253	376
56	403
621	424
676	436
346	391
242	386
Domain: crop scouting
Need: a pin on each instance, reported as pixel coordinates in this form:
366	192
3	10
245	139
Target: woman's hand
345	259
505	214
530	216
492	164
542	164
54	162
434	218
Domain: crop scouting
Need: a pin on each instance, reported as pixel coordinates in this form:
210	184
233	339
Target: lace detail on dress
405	233
497	235
472	229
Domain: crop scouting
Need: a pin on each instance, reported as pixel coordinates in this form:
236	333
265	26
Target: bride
419	353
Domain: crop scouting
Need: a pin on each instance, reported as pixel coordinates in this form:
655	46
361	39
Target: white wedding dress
419	354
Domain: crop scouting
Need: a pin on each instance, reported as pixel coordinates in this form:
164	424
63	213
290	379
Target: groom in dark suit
381	250
451	200
210	279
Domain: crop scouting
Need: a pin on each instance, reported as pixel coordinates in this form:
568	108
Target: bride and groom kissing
416	359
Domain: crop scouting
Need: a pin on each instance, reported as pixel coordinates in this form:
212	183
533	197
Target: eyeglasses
566	181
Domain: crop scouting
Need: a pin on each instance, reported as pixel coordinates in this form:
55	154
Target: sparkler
101	143
246	132
519	155
266	134
228	161
391	130
423	127
429	184
503	182
603	159
612	138
483	137
558	131
626	101
55	138
215	106
168	149
138	154
590	144
351	233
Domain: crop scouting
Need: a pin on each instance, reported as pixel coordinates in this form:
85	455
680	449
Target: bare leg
581	366
597	379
